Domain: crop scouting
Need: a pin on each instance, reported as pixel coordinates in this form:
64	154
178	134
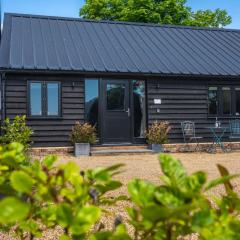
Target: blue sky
70	8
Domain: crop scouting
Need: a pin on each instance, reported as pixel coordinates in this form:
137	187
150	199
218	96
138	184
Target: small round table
218	134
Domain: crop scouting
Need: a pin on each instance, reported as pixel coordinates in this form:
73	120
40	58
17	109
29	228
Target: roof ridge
121	22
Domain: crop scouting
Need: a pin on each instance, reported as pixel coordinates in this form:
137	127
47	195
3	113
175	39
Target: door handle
128	112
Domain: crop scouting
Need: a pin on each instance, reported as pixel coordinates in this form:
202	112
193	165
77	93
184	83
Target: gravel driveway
147	166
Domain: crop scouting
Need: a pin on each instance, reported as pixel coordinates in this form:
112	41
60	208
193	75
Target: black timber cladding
47	132
32	42
183	100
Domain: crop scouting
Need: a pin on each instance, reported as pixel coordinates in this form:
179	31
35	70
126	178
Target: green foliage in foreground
154	11
36	194
180	207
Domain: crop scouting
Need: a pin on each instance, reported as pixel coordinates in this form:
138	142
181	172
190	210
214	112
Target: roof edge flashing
119	22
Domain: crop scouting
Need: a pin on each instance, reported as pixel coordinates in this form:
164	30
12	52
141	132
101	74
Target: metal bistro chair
234	127
189	134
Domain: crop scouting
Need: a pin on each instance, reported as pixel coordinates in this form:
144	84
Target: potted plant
83	134
157	135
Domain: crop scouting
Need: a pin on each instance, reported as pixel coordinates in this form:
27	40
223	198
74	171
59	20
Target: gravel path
147	167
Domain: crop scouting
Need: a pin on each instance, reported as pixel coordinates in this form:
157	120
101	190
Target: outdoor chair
189	135
234	127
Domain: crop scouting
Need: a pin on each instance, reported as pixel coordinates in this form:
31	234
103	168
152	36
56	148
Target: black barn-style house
120	76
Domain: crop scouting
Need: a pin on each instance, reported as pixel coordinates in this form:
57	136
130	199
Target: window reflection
212	100
226	94
35	99
139	100
115	97
237	101
52	99
91	101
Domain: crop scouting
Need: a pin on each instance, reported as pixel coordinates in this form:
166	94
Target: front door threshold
123	148
117	144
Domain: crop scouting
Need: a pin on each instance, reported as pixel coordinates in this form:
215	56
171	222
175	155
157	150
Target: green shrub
180	207
16	131
40	195
37	195
83	133
158	133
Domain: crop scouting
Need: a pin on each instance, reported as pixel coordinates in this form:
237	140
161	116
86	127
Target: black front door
116	113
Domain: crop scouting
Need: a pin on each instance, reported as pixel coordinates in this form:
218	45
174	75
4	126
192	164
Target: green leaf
224	172
49	161
219	181
109	186
71	170
113	169
120	233
64	237
196	181
31	226
155	213
48	214
141	192
173	169
104	235
84	220
101	174
202	218
167	197
64	214
21	181
13	210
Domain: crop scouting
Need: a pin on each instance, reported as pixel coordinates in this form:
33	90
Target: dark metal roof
32	42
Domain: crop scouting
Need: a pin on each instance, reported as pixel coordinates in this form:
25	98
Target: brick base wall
202	147
168	148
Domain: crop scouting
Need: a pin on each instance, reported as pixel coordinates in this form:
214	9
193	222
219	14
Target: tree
153	11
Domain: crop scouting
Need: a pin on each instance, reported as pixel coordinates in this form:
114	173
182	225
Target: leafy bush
83	133
38	194
180	207
16	131
158	133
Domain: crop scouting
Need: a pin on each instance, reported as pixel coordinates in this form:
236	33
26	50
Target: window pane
212	101
91	101
237	99
52	99
226	96
115	96
139	108
35	99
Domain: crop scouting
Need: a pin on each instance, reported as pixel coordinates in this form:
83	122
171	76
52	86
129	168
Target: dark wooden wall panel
48	132
183	100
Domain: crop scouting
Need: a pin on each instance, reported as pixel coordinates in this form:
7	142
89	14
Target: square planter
157	148
81	149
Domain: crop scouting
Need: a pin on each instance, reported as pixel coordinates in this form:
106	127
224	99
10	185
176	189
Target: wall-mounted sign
157	101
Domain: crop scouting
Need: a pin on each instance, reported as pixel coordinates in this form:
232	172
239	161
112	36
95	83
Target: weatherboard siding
47	132
184	100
